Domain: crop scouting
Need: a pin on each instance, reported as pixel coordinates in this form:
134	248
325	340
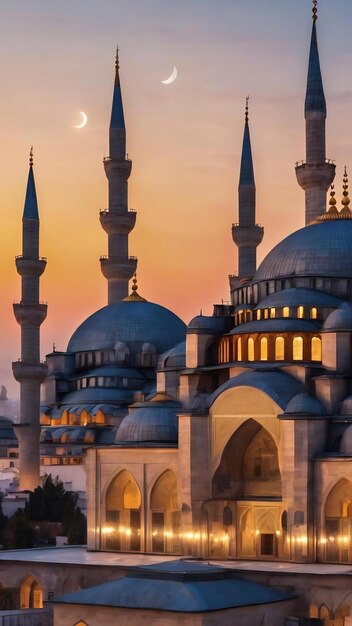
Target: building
230	438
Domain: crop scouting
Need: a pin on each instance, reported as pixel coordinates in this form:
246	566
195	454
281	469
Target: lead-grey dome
130	323
151	422
306	404
320	249
340	319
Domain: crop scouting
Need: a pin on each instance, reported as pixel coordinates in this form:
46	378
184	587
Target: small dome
176	357
306	404
340	319
128	322
346	406
346	441
207	324
151	422
299	296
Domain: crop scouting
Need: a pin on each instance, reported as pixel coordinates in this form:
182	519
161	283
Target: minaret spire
118	268
316	174
246	234
30	314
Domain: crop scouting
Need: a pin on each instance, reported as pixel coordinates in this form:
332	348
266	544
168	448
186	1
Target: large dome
129	322
320	249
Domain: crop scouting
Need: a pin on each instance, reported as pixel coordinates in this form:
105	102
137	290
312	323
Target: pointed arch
249	464
165	514
31	594
123	502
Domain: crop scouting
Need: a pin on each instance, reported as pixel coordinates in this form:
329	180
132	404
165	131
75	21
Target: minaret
118	268
246	234
316	174
30	314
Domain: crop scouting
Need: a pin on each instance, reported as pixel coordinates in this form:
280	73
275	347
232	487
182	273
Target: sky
57	58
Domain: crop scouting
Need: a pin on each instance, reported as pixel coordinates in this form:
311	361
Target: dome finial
117	61
345	200
246	115
31	157
315	10
134	296
332	201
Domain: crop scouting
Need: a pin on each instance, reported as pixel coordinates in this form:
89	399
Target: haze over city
184	140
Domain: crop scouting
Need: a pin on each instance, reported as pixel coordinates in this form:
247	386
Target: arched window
316	349
297	349
165	514
31	595
259	314
239	349
266	314
123	514
250	346
286	311
279	349
273	313
300	312
314	313
263	349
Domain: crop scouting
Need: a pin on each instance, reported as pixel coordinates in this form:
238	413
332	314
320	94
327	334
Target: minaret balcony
30	267
118	223
23	371
32	314
247	236
315	174
117	167
118	269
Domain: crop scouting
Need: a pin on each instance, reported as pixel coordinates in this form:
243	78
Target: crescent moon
84	120
171	78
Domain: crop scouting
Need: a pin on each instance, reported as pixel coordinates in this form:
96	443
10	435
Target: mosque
229	438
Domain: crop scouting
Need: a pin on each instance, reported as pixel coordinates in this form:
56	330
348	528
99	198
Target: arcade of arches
124	530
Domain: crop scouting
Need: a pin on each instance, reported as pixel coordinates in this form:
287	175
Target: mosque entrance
248	476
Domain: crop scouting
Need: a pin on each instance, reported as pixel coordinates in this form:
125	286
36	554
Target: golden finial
246	115
332	196
134	296
31	157
117	63
345	200
315	10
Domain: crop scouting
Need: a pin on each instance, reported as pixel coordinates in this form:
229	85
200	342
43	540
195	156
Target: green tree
20	532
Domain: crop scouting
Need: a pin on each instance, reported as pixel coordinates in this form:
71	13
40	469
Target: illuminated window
250	349
314	313
258	315
298	349
239	349
266	314
263	349
272	313
279	349
300	312
286	311
316	349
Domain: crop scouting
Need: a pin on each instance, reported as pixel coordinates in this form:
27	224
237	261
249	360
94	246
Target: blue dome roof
151	422
128	322
207	324
340	319
320	249
306	404
298	296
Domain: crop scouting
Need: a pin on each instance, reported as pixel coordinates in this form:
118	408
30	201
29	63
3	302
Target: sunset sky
57	58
